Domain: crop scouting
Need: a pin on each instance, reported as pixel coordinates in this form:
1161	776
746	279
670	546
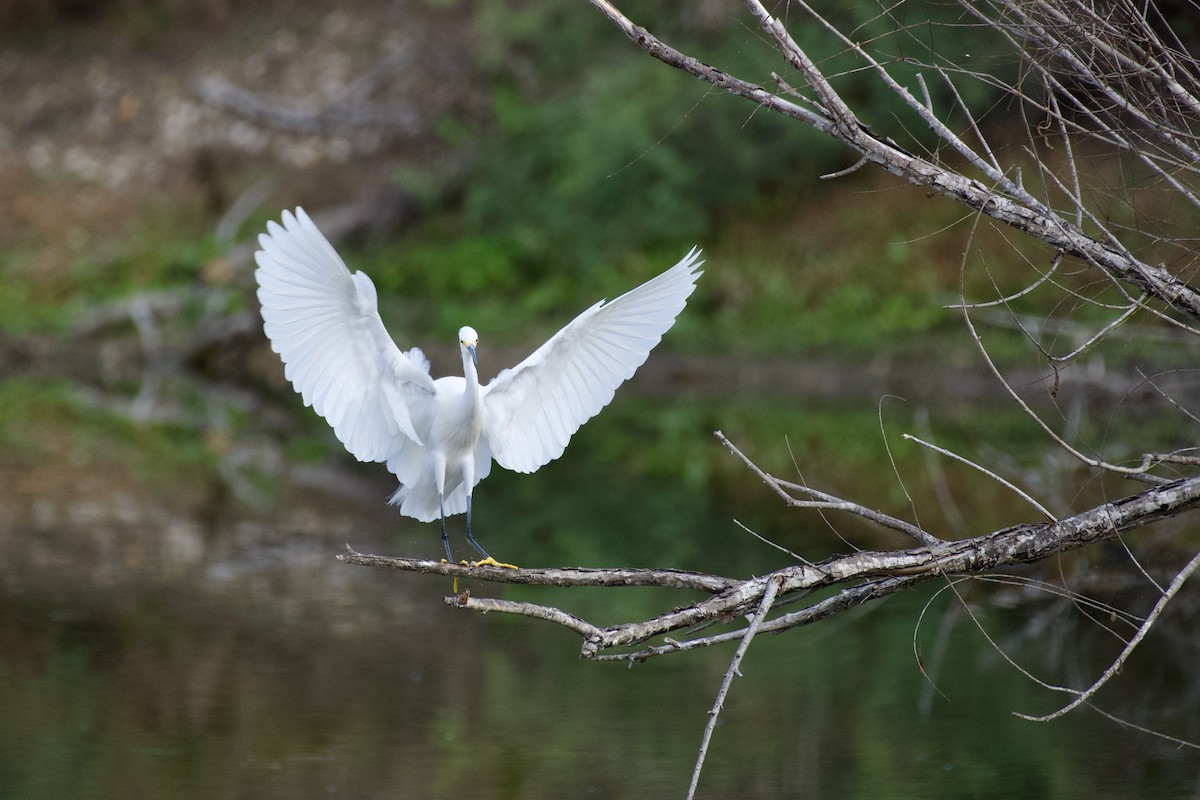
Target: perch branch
559	576
869	575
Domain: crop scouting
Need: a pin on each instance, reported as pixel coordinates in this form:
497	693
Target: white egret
438	437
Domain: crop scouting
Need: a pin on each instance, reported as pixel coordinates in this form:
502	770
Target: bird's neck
471	394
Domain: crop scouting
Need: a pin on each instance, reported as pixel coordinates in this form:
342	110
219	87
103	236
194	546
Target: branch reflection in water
159	632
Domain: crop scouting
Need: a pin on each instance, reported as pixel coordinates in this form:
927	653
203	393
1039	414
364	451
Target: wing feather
532	410
324	323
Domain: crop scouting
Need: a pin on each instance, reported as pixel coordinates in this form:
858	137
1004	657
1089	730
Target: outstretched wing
532	410
324	323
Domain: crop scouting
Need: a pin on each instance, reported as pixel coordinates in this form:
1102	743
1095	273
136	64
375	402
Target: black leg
470	537
445	538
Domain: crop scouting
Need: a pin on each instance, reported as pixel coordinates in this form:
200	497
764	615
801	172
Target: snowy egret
438	437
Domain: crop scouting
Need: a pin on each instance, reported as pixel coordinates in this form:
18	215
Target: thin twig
1103	332
768	542
1013	206
1193	417
1008	299
763	608
912	505
1005	483
937	479
1082	697
1127	724
828	501
841	173
1139	473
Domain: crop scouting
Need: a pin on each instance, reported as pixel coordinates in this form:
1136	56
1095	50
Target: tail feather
420	501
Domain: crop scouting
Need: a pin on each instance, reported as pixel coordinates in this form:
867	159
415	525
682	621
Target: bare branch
560	576
875	574
1170	592
547	613
827	501
1016	208
1193	417
669	55
763	608
1005	483
1140	473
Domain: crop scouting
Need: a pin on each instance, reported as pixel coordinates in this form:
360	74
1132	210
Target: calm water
185	632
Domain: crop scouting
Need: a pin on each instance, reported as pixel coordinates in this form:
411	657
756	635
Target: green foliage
26	405
19	311
598	149
863	317
41	420
160	246
598	153
598	157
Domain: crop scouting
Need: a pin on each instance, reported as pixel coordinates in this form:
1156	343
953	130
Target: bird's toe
491	562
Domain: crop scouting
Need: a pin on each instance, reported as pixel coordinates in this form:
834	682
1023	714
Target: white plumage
439	437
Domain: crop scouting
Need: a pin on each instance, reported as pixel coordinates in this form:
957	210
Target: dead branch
351	111
558	576
548	613
828	501
1119	661
867	575
764	608
1000	198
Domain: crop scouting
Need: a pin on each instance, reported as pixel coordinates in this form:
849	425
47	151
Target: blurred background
172	620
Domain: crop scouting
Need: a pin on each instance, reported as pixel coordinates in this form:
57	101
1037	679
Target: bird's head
468	339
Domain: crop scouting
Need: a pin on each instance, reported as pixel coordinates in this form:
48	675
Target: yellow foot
491	562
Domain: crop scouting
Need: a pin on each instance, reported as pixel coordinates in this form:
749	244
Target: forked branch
994	193
863	576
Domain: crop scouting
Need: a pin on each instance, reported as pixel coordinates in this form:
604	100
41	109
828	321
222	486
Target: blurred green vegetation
601	166
597	167
599	150
50	279
45	422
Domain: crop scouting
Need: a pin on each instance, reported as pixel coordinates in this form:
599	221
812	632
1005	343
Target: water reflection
163	636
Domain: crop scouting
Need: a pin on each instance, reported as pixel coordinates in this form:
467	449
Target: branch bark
557	576
978	179
867	575
834	117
